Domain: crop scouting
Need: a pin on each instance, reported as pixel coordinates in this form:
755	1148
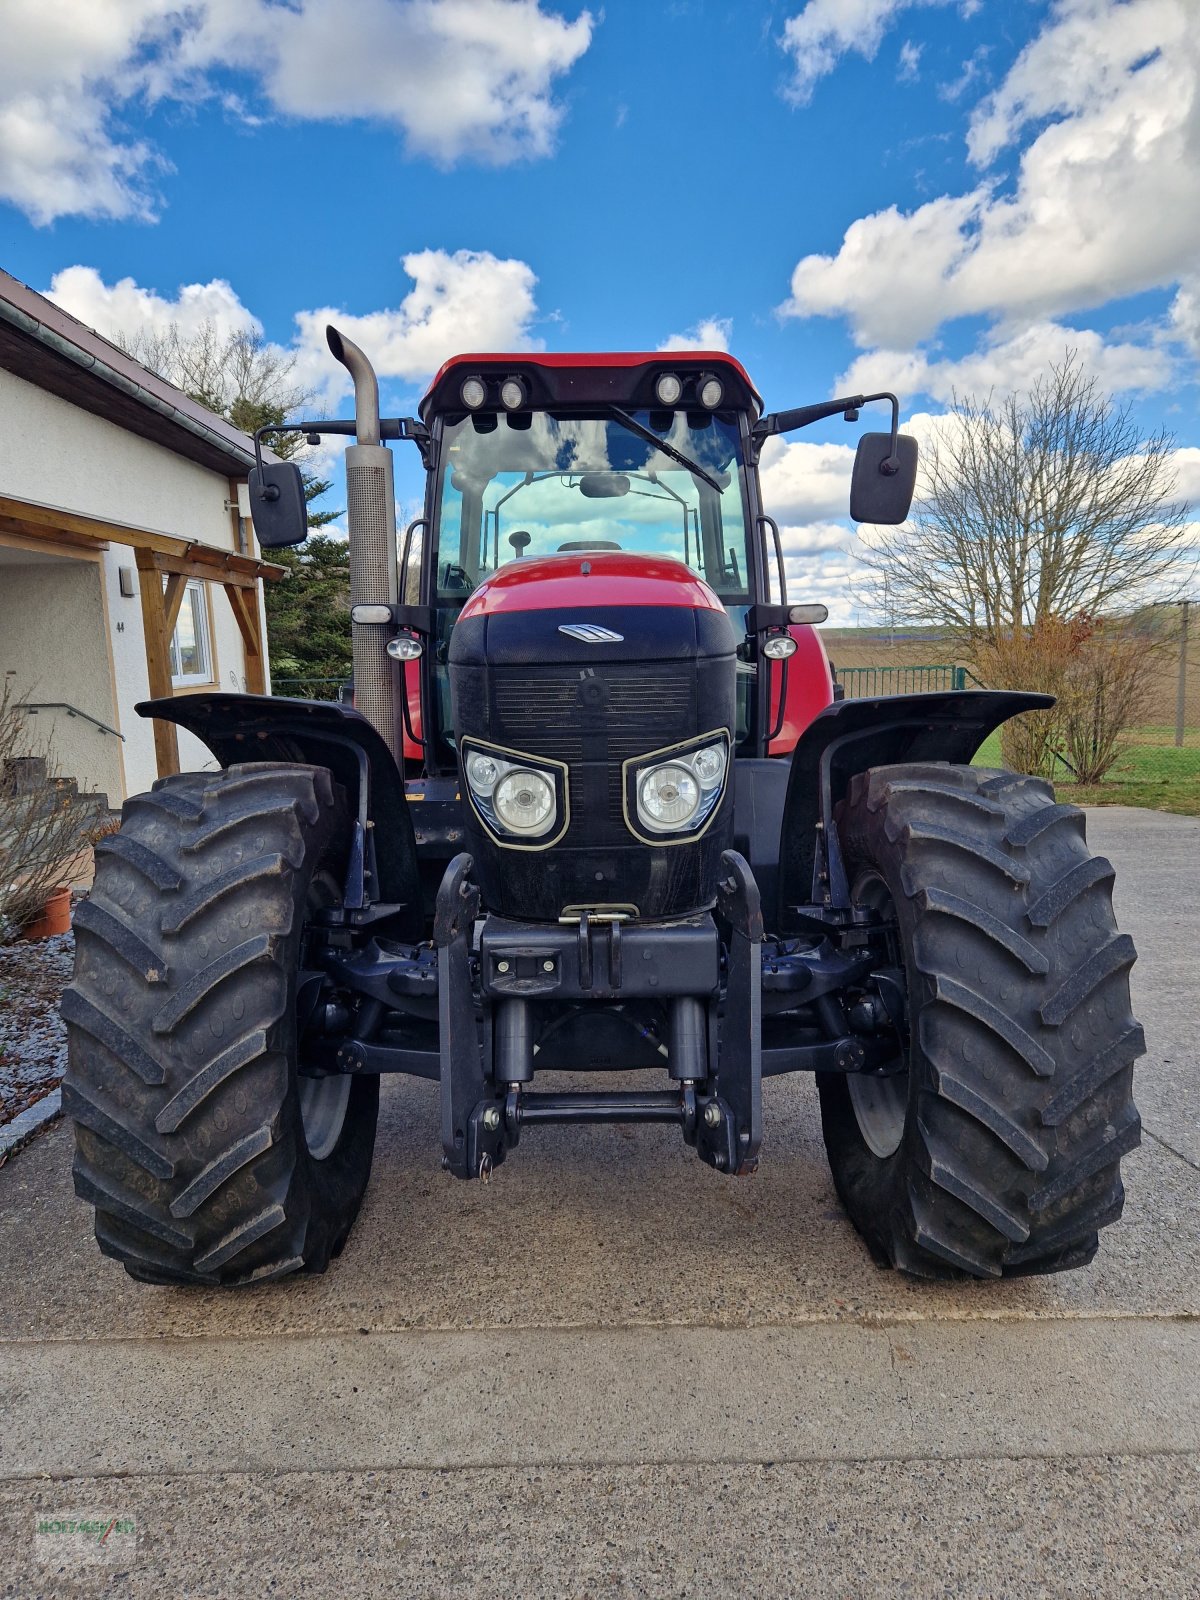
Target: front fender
853	735
255	727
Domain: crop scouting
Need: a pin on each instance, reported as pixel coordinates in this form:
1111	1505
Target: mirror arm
890	466
849	406
389	428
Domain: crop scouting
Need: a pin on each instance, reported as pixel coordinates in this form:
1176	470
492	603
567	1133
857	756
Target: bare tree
238	375
1039	507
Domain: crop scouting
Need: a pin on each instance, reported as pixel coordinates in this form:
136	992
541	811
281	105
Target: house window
191	643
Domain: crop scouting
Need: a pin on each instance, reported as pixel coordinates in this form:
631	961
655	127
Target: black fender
324	733
850	736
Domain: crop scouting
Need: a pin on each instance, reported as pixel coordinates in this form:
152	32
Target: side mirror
277	505
876	495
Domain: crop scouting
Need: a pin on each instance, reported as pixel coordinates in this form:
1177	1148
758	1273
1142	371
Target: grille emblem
590	633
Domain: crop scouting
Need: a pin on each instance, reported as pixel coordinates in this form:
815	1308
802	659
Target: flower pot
55	915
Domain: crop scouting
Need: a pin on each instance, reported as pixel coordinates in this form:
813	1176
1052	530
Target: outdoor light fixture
712	391
370	614
472	393
668	389
779	646
512	394
405	647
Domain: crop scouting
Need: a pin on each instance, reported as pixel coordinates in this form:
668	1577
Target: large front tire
998	1151
206	1155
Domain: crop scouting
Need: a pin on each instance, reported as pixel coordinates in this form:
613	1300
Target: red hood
593	578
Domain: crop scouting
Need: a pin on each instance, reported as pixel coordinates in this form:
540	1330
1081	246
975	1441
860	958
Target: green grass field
1151	772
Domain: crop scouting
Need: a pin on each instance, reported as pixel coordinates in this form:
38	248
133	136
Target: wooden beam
13	538
34	535
54	520
69	527
173	594
158	659
206	571
245	611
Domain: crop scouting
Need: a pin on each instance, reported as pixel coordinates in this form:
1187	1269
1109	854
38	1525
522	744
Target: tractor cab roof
623	378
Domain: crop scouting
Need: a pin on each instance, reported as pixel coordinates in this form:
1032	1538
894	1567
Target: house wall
58	455
52	642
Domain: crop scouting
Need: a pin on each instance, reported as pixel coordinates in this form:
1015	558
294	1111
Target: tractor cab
613	464
622	463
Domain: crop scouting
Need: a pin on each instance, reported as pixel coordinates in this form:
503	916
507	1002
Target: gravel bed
33	1041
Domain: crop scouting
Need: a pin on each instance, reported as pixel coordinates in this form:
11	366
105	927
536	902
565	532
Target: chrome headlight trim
634	771
505	762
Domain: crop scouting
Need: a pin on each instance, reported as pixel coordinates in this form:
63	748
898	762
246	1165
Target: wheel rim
880	1104
323	1101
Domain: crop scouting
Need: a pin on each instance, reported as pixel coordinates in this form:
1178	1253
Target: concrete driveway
612	1372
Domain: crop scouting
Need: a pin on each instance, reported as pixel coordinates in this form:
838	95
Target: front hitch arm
729	1124
472	1119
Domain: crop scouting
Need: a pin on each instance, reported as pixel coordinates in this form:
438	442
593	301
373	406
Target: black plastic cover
519	682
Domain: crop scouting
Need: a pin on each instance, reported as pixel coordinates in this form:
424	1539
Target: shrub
1099	673
42	824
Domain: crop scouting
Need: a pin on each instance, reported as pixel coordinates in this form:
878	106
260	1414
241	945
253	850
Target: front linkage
497	993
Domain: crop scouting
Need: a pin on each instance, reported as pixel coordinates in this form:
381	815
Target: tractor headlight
522	800
677	790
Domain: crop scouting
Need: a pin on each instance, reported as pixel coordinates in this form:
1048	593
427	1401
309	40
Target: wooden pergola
164	563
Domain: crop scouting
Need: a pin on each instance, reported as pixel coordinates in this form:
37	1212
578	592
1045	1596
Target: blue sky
922	194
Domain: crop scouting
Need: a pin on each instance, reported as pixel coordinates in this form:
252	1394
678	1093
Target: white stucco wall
52	643
55	454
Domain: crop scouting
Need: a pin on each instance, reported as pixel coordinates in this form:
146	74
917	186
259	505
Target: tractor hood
583	579
587	664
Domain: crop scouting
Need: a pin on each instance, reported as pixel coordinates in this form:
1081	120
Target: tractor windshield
537	484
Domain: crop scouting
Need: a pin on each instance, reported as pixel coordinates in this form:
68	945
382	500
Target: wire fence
861	683
311	688
1159	758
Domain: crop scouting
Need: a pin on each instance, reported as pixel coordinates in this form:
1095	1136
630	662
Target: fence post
1181	686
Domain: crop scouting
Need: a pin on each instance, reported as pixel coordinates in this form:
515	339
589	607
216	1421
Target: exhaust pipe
371	518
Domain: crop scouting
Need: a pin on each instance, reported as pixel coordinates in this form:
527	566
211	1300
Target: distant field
1151	773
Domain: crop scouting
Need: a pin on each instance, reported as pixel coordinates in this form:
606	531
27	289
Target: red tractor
596	811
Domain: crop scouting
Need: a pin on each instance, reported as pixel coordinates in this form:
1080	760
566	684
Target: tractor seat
588	544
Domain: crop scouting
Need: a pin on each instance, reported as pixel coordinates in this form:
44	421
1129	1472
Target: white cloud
1008	364
465	300
712	333
461	79
909	69
826	30
468	300
1184	315
1186	462
124	309
804	482
1106	201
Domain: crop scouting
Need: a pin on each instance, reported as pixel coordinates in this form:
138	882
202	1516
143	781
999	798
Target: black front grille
525	681
606	713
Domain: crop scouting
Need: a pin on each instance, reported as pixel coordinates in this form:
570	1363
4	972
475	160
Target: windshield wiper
651	437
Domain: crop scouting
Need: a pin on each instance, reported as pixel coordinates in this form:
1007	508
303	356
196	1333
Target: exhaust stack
371	517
